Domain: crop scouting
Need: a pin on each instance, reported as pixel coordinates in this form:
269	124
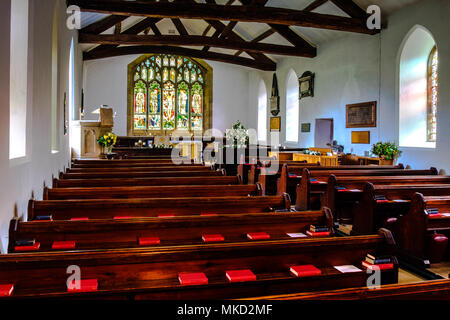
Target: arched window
72	82
18	79
167	93
292	107
432	95
262	112
418	90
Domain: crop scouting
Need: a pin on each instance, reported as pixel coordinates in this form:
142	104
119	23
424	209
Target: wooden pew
123	161
139	169
152	192
125	233
309	189
268	176
152	207
142	273
425	290
341	201
135	174
168	181
290	176
417	224
371	213
126	164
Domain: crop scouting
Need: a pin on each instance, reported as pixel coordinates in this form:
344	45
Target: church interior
225	149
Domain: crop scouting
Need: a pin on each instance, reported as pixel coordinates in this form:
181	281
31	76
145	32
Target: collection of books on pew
31	244
435	213
376	262
344	189
318	231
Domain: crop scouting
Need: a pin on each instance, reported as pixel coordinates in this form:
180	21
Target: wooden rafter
314	5
103	24
259	38
285	31
350	8
215	12
142	40
127	50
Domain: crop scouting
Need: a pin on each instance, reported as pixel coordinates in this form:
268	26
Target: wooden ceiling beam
194	10
135	29
180	27
122	39
103	24
127	50
219	26
259	38
285	31
314	5
351	8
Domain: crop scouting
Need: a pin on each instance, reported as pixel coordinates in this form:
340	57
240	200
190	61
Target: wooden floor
442	269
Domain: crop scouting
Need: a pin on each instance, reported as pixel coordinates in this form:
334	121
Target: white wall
433	15
105	82
24	178
359	68
347	71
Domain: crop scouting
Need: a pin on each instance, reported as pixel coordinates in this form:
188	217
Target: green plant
386	150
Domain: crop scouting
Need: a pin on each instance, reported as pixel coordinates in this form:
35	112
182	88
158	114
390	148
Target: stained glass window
433	86
168	94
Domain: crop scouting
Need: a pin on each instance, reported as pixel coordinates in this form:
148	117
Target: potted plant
107	141
387	152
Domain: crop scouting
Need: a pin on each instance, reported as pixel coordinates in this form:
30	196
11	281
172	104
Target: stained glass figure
169	106
140	98
172	75
183	106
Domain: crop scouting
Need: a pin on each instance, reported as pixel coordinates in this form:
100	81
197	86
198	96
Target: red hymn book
189	279
240	275
305	271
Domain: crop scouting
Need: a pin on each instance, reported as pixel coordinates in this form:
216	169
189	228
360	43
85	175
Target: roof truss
278	20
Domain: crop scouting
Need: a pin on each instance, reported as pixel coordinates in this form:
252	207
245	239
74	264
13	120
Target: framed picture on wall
306	84
275	124
306	127
361	115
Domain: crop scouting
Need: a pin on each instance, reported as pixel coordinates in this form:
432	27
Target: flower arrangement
313	153
108	141
387	150
237	135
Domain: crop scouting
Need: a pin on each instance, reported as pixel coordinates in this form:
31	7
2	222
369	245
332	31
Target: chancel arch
168	93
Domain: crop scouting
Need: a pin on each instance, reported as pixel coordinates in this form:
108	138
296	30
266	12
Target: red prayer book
240	275
208	214
258	236
305	271
189	279
87	285
384	266
166	215
63	245
149	241
79	219
34	247
382	201
6	290
318	234
121	217
343	190
213	238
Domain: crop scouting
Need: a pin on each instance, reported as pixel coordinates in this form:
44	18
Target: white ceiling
250	30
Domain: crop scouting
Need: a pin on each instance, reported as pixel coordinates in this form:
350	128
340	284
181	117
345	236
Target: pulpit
84	134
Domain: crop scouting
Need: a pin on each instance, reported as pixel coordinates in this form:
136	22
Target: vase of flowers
107	141
387	152
237	136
